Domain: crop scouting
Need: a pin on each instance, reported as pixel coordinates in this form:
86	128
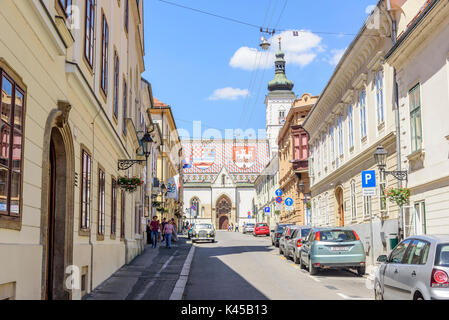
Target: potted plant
129	184
308	205
400	196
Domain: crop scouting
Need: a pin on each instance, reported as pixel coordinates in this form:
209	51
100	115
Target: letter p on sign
369	179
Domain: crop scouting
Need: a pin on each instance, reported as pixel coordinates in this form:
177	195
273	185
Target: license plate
339	248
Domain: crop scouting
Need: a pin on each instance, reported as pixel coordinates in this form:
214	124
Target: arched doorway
57	204
223	208
340	215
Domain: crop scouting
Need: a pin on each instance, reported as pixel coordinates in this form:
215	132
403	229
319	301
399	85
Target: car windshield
281	228
337	235
250	225
304	232
442	256
262	225
203	226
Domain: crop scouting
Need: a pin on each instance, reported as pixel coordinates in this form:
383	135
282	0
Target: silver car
417	269
249	228
203	232
294	244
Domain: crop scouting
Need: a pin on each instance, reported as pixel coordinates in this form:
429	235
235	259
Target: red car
261	229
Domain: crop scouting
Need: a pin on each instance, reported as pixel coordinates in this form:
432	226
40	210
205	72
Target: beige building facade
265	188
293	142
351	118
421	60
71	109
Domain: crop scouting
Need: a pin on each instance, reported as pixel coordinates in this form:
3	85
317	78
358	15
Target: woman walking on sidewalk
154	231
168	230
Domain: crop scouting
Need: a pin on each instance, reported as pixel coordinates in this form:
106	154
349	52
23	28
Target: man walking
154	231
168	230
149	233
164	222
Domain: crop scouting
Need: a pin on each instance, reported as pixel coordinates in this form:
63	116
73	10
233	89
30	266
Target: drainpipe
397	119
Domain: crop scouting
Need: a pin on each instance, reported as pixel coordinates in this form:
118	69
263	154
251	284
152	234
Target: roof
158	103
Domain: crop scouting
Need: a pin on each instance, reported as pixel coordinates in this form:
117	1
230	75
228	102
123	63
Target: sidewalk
151	276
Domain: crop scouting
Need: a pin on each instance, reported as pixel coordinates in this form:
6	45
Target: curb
180	286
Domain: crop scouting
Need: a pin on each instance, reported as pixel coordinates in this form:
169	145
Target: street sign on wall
267	209
278	192
279	200
289	202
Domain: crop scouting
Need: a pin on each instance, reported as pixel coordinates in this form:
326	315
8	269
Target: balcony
300	165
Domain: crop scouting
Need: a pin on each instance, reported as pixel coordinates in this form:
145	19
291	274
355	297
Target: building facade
293	144
71	108
421	60
265	188
219	178
351	118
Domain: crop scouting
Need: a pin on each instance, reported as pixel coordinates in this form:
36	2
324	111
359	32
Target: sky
213	70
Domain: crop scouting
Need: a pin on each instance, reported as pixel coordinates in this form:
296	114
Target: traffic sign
279	200
290	208
289	202
267	209
279	192
369	183
279	207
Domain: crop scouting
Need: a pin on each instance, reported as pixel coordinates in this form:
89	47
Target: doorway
224	223
340	208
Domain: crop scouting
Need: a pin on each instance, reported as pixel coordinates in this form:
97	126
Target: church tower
278	102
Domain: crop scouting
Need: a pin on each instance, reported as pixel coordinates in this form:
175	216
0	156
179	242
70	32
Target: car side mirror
382	258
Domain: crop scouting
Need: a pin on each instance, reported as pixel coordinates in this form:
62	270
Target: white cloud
300	51
337	54
229	93
370	8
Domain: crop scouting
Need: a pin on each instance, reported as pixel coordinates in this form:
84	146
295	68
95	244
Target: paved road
243	267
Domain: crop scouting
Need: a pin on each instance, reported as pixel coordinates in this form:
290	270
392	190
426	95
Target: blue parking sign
267	209
369	179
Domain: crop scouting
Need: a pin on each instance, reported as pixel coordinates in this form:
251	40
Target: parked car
417	269
261	229
203	231
190	232
276	233
293	245
286	236
336	248
248	227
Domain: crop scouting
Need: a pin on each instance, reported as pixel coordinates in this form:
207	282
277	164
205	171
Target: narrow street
243	267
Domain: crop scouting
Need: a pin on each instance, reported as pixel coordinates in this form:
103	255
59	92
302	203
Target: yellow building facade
75	75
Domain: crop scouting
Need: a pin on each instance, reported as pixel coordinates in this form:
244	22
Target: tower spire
280	81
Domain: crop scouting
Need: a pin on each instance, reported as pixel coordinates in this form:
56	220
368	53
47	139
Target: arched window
195	206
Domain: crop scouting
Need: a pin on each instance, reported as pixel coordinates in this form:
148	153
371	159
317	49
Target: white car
249	228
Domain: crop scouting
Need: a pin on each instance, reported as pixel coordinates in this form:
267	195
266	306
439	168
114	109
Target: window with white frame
380	96
340	135
362	102
367	206
415	118
420	218
327	210
353	201
332	148
351	126
324	144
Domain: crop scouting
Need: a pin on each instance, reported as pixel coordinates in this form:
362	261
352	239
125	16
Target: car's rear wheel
378	295
280	250
301	264
296	259
361	271
312	270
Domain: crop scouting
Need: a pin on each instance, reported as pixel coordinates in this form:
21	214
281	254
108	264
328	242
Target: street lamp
265	45
145	142
381	159
301	186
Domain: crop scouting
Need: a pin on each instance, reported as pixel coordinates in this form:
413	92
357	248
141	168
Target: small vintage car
203	232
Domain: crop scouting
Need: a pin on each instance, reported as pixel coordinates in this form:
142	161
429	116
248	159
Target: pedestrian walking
154	231
236	228
168	230
174	236
149	236
164	222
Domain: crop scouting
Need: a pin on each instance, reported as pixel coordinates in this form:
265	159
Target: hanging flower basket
129	184
400	196
308	205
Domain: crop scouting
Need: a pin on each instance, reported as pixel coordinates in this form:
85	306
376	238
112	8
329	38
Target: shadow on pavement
211	279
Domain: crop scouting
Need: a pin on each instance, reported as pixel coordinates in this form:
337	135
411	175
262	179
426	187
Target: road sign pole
371	235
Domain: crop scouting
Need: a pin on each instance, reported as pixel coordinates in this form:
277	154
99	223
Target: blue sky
203	67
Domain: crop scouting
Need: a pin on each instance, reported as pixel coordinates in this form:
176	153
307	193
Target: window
367	205
281	117
353	201
116	83
415	118
324	144
417	253
113	207
89	32
104	56
340	135
380	96
362	102
398	253
327	210
66	6
101	202
125	106
332	143
85	189
12	105
297	146
351	126
195	207
420	218
122	215
126	15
